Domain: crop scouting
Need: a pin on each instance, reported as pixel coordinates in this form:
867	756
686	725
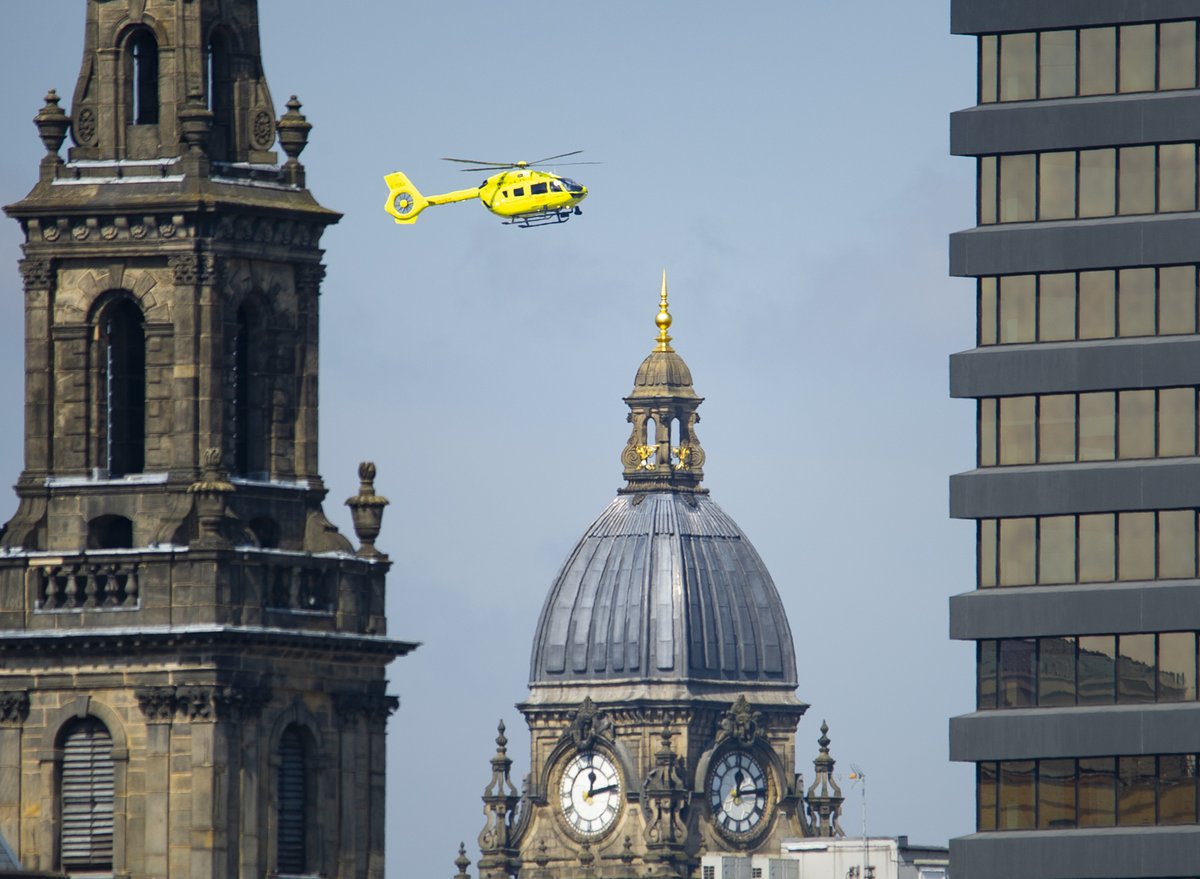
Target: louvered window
293	803
87	798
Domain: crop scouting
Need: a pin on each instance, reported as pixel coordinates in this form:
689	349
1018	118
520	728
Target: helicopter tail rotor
404	201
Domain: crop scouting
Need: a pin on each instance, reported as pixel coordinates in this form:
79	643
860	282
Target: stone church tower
192	657
662	704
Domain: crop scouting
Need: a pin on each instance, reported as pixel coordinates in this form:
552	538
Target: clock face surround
737	792
590	793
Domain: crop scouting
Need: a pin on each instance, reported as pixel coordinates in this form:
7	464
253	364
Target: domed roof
663	374
663	586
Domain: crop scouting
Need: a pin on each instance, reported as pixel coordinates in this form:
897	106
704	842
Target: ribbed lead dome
668	588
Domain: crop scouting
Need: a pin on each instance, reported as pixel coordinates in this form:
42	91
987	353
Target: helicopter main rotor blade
490	169
480	162
569	164
548	158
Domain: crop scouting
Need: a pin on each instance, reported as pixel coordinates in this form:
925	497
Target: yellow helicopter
520	193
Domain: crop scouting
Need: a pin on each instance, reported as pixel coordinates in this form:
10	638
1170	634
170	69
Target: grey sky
786	163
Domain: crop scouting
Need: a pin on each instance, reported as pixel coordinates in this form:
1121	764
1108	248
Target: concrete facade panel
997	16
1037	733
1005	370
1172	483
1075	123
1108	853
1082	609
1116	242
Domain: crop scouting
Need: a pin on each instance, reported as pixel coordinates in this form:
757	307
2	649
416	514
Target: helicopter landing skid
546	218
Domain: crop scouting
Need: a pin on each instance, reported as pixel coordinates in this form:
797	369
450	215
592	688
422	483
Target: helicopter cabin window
555	186
520	190
537	189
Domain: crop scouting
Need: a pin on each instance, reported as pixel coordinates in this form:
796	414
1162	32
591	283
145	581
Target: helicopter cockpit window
571	185
555	186
520	190
537	189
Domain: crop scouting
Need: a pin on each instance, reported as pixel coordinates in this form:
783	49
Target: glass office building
1085	612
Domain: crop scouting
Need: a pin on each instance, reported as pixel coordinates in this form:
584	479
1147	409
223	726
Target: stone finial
195	124
462	862
211	491
366	509
663	320
52	123
293	130
823	801
497	843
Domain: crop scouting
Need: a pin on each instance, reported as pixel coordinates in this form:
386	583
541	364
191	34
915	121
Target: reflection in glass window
1056	794
1176	667
1135	669
1097	669
1016	802
1135	790
1056	672
1018	672
986	789
1176	422
1097	792
987	190
1056	428
988	675
987	432
1177	789
1177	300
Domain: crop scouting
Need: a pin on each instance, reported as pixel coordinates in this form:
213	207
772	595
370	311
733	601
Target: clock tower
192	658
662	696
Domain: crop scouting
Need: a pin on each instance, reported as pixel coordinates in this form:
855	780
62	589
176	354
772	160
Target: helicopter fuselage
521	195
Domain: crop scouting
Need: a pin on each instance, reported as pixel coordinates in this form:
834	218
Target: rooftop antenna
857	775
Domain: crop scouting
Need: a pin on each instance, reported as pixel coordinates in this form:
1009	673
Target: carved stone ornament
196	703
309	277
194	268
14	706
740	724
157	703
587	724
37	273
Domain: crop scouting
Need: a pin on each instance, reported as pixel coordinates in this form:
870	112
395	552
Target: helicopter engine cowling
404	200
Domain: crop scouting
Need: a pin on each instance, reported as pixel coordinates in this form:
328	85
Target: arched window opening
219	94
674	433
293	804
249	399
143	78
86	798
651	432
110	532
123	388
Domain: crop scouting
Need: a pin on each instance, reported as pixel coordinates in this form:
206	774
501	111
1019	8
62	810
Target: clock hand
604	790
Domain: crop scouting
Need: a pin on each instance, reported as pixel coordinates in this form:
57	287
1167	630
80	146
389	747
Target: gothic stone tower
192	656
662	704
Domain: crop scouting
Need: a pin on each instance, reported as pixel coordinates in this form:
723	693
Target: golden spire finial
663	321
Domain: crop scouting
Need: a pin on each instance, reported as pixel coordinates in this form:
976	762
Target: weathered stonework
169	571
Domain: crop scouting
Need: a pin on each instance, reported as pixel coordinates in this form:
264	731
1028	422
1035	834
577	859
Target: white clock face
590	793
737	790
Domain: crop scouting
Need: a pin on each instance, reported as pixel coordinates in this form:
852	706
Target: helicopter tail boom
405	201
